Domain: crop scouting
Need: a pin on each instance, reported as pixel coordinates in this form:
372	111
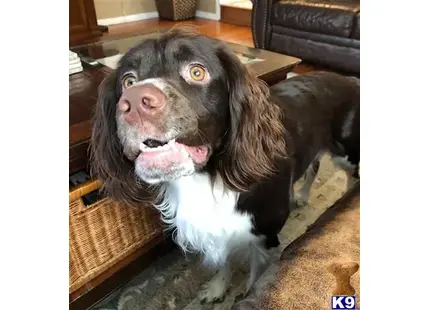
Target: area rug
174	281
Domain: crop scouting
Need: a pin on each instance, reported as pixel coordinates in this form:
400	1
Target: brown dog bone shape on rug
343	272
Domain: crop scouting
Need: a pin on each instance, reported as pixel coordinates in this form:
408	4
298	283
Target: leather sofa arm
260	22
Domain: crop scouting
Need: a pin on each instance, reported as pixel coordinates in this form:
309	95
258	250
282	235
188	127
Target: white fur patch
204	217
160	83
216	288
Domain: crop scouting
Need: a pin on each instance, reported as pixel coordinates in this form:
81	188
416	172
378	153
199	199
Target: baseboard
207	15
127	18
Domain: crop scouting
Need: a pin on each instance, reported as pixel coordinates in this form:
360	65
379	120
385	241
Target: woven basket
104	233
176	9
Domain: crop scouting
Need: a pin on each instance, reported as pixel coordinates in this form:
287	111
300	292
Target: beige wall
207	6
117	8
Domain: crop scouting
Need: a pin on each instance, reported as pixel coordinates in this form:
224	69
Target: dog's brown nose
143	99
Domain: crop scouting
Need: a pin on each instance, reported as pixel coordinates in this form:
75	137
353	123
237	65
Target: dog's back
322	112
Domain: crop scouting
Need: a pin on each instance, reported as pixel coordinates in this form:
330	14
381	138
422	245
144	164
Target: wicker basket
104	233
176	9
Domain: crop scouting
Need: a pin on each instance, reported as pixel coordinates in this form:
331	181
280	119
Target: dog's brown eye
197	73
128	81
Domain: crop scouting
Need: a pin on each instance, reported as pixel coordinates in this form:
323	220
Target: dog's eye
128	81
197	73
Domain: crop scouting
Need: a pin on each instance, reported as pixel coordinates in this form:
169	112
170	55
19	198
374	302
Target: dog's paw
300	201
214	291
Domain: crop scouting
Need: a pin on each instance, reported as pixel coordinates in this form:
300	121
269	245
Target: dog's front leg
216	289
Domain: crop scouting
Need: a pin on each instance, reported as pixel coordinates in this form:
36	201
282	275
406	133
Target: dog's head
178	104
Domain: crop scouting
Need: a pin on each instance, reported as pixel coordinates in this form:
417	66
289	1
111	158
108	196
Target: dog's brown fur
261	139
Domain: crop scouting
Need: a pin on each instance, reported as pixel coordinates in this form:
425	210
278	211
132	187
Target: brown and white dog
182	123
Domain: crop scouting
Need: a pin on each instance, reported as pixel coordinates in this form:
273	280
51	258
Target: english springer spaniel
182	123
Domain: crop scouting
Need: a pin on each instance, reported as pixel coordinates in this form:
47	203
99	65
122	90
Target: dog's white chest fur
205	218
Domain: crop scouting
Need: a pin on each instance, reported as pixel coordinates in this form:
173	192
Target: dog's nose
152	97
144	99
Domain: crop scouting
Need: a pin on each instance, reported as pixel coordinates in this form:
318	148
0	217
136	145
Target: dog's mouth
154	144
164	155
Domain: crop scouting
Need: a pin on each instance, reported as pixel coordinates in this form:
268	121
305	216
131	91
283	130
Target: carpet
174	281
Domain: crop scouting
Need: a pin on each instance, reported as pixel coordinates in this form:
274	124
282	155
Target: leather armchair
323	32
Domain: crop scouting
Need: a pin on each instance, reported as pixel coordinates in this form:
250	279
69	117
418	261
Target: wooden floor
222	31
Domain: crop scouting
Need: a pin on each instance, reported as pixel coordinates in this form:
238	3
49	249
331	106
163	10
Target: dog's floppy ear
107	160
256	137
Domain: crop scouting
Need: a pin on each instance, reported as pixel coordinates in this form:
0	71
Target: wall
117	8
106	9
207	6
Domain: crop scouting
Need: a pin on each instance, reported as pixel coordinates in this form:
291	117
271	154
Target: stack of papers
75	64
